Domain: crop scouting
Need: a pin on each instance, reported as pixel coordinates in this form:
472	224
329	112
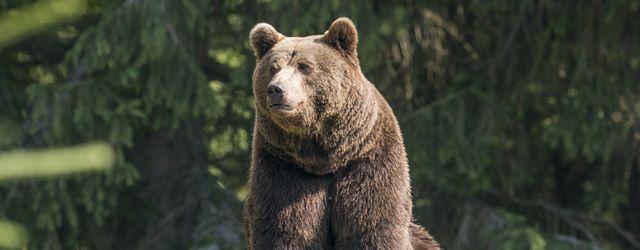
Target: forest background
520	118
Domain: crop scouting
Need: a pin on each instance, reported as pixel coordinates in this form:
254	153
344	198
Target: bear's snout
275	92
281	98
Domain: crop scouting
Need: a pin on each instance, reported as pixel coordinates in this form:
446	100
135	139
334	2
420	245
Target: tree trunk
177	195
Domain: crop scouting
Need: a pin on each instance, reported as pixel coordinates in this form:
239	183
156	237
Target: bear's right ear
263	37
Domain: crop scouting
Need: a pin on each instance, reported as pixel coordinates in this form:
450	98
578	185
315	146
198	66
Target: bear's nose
274	91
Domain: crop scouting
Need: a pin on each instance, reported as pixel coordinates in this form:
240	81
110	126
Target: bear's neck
342	138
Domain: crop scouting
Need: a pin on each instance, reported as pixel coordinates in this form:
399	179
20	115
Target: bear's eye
303	67
274	68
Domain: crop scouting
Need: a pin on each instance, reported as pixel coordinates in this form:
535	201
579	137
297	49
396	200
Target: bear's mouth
280	107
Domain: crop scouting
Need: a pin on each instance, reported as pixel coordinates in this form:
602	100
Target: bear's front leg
286	208
373	205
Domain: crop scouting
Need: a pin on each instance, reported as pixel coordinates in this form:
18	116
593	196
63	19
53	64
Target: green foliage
54	162
20	23
517	235
47	163
526	109
129	75
12	235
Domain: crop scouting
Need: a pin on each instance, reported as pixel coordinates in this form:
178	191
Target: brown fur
332	172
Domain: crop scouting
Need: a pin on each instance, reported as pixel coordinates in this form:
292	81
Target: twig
434	104
565	214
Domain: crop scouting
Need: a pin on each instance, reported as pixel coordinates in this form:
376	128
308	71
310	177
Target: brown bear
329	168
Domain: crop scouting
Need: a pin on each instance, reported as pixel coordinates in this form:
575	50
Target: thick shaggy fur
332	173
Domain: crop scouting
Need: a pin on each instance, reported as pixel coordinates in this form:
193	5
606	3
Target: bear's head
310	92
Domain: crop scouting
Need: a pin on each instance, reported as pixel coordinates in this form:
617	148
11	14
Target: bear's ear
343	35
263	37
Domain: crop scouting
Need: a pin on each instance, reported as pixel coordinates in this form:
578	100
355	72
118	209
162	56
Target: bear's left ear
263	37
343	35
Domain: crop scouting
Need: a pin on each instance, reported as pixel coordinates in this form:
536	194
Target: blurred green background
520	118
